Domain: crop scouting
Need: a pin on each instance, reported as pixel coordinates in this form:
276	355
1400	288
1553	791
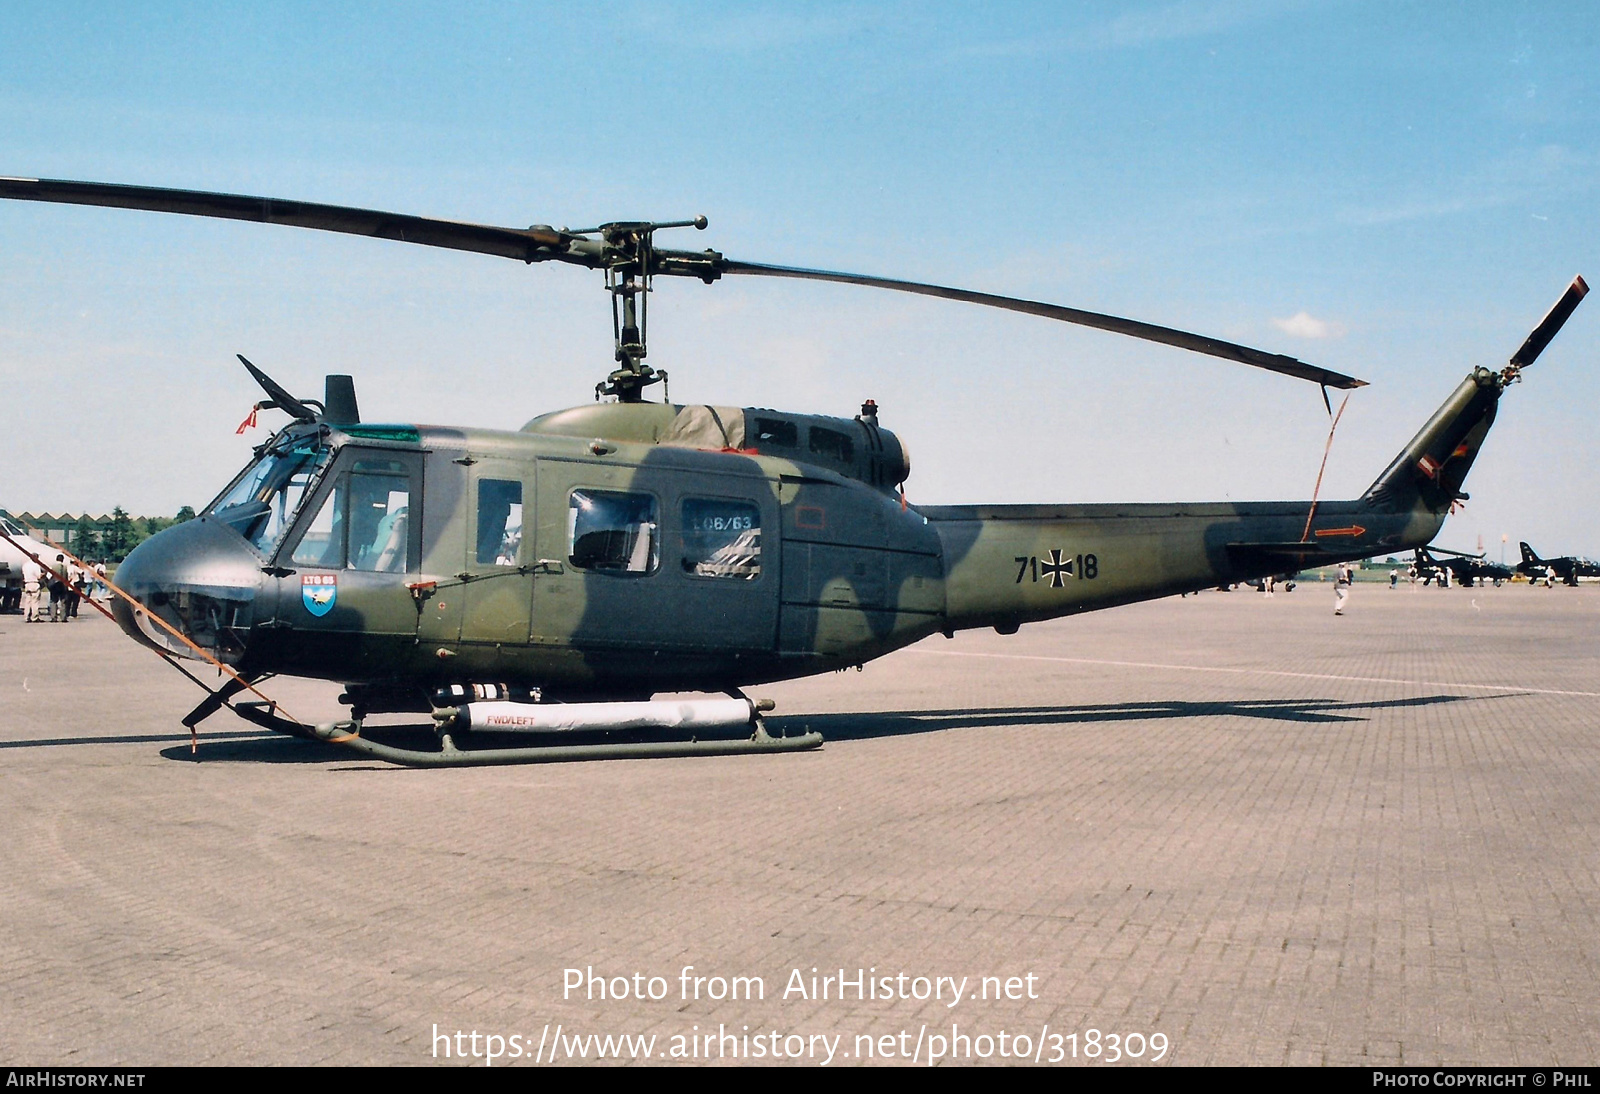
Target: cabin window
613	532
832	444
499	522
364	523
721	539
775	432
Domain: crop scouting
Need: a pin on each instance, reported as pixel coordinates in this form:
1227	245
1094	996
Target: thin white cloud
1304	325
1176	21
753	29
1523	176
1164	23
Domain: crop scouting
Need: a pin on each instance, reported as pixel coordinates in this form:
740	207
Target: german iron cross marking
1057	569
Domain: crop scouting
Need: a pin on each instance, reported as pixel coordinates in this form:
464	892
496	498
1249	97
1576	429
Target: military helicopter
1466	570
556	578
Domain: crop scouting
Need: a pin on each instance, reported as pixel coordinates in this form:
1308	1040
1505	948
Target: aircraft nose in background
201	578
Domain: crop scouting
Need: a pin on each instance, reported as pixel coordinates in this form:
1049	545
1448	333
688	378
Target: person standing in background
1341	587
32	591
75	589
58	589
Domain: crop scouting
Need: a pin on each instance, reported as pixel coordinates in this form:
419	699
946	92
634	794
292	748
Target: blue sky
1395	191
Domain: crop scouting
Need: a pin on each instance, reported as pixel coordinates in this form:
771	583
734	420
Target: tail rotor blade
1547	328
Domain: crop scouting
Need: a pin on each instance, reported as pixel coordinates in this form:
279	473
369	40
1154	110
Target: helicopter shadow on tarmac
124	739
263	748
864	726
255	746
251	745
898	723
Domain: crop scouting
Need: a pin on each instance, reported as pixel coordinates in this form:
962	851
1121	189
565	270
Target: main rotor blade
1547	328
541	243
535	244
1228	351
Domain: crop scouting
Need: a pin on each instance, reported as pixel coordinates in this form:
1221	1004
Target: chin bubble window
721	539
612	532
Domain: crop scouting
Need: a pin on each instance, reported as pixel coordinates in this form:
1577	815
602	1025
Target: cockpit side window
380	517
364	522
263	501
322	544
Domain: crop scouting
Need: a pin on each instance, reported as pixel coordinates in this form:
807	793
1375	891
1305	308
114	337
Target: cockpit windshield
262	502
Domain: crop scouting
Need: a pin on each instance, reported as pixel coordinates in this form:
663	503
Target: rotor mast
630	269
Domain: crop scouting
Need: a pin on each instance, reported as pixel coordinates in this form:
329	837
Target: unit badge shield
318	592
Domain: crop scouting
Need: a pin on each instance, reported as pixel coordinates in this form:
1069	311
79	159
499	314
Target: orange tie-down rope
1316	491
194	738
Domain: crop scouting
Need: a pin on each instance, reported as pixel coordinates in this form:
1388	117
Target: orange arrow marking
1353	530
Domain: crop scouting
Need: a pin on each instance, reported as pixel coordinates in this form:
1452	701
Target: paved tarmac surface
1264	833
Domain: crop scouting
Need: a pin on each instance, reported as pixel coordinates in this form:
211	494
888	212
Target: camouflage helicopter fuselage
618	550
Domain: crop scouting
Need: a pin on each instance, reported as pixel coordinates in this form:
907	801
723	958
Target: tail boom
1012	564
1009	565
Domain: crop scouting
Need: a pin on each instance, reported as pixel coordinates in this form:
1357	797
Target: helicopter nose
200	578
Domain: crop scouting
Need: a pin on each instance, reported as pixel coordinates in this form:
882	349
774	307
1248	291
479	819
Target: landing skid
348	734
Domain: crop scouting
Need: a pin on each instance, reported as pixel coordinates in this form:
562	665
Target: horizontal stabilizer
1254	556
